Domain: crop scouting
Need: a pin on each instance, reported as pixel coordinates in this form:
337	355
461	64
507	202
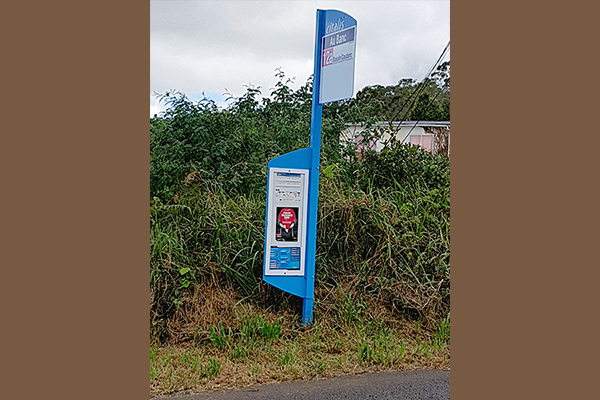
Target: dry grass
208	305
180	369
349	336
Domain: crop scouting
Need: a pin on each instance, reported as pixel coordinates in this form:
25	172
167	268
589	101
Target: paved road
409	385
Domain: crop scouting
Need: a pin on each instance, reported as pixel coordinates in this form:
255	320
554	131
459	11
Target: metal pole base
307	311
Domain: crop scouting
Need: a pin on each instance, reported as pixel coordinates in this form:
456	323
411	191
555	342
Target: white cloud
211	46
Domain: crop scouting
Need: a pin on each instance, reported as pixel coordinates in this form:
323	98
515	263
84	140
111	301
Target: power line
420	87
430	103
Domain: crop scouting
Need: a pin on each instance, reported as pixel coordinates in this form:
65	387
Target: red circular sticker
287	217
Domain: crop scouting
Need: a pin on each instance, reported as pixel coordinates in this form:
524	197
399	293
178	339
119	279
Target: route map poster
287	224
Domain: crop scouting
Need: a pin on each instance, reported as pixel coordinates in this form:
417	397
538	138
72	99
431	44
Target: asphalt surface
409	385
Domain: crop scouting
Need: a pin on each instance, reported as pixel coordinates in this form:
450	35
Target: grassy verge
261	347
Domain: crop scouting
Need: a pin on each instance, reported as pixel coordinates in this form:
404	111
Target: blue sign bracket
299	159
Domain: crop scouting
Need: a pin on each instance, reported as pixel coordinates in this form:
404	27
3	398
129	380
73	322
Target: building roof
441	124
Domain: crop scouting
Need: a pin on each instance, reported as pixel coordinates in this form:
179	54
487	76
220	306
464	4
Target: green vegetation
382	293
428	100
327	348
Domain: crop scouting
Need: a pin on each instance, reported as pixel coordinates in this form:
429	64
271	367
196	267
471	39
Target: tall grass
383	222
388	243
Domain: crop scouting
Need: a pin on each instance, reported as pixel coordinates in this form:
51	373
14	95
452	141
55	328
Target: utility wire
430	103
420	88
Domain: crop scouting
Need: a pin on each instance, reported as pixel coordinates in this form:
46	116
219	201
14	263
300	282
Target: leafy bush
233	146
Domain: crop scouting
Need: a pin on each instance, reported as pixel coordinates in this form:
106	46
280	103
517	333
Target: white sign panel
338	55
286	221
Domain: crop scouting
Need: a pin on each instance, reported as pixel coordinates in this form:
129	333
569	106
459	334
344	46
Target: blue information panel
285	258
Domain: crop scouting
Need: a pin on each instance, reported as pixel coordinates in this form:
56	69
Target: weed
218	238
255	369
153	370
271	331
383	345
365	352
337	362
196	363
353	310
220	337
441	337
166	359
239	352
423	348
197	334
152	353
319	366
213	368
256	327
184	281
287	359
401	348
379	350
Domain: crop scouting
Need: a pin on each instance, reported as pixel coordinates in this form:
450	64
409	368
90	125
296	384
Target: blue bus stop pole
313	191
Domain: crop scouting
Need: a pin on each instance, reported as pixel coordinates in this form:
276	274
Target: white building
432	136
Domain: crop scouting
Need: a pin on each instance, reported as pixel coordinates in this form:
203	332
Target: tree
407	100
426	109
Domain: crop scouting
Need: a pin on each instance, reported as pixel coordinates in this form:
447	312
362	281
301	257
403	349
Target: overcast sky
218	46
